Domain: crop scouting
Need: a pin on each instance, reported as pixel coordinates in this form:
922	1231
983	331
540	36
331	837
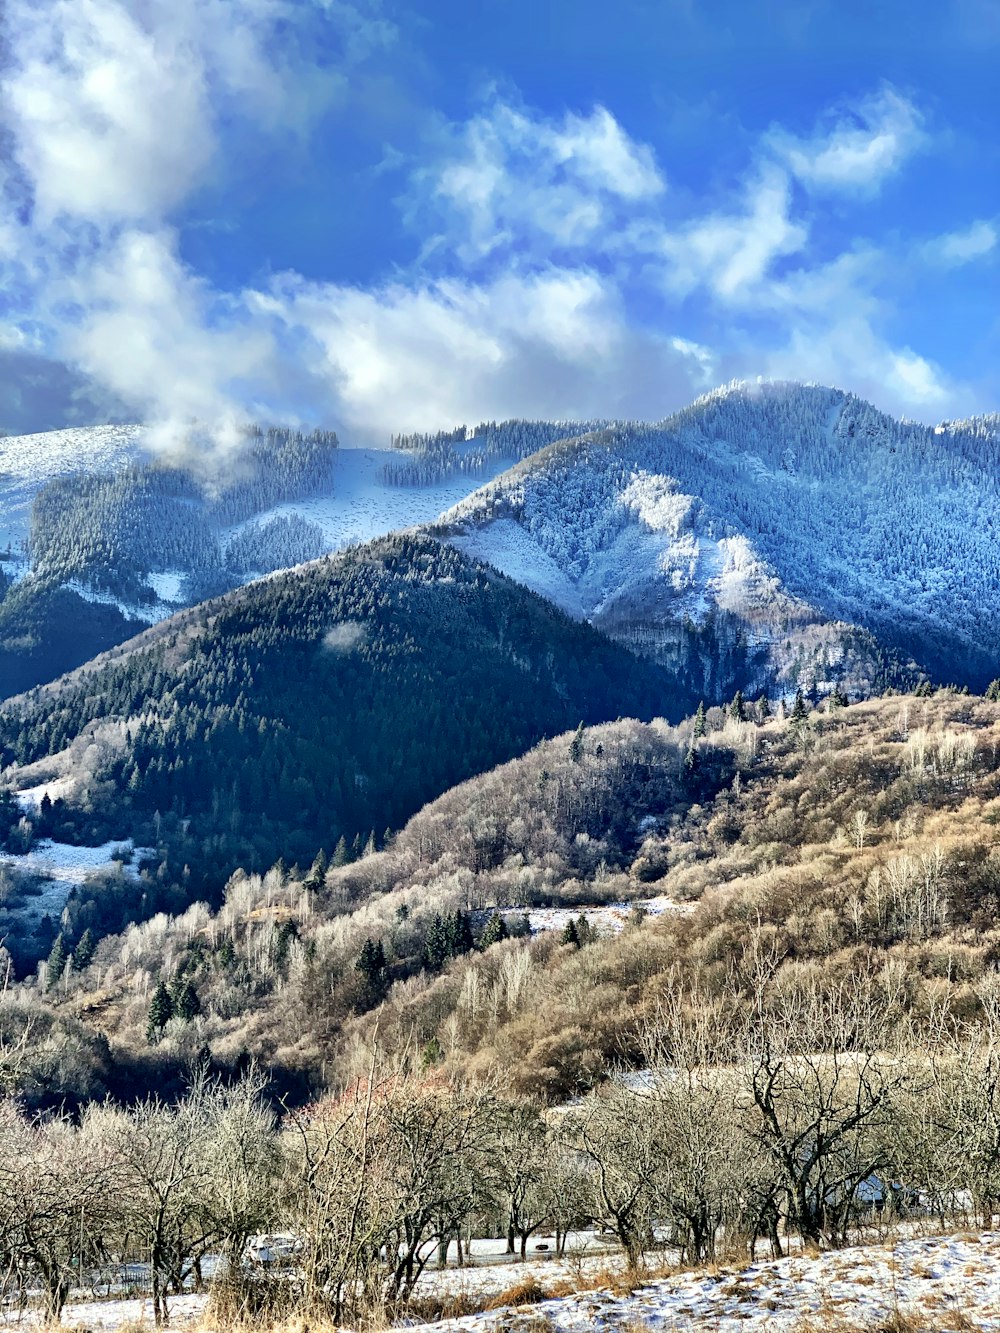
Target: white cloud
732	253
865	144
398	358
543	237
845	350
162	340
506	178
974	242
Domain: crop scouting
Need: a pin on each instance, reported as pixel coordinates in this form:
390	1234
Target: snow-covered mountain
768	535
98	538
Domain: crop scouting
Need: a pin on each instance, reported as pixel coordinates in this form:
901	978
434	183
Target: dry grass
899	1321
528	1291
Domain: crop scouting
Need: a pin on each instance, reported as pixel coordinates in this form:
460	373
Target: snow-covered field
608	919
64	867
362	507
946	1281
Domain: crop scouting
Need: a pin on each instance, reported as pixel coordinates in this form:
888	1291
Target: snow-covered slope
97	539
768	534
27	462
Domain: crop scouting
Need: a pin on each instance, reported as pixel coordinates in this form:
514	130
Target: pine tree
692	760
993	691
799	710
737	709
84	951
763	708
161	1011
700	722
341	853
493	932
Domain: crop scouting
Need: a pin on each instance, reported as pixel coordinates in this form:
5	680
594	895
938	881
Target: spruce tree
317	871
371	965
436	950
570	935
161	1011
458	932
494	931
799	710
737	709
700	722
84	951
993	691
763	708
341	853
185	1002
576	745
56	962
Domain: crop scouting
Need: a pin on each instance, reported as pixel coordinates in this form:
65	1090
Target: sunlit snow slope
766	536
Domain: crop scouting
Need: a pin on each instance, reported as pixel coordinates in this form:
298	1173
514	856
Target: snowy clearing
64	867
362	507
608	919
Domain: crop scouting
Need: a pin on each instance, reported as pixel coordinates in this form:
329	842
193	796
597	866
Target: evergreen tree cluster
110	531
464	452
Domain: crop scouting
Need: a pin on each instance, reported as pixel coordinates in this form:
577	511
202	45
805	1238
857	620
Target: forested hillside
821	849
326	702
768	536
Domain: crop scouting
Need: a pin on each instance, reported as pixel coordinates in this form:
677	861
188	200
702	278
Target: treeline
436	457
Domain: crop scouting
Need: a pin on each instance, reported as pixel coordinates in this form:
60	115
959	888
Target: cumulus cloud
554	343
558	274
507	178
857	148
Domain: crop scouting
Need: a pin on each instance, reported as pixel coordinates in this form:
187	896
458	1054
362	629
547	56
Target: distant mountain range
768	536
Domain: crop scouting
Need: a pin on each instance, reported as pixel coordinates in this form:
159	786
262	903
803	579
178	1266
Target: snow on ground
148	611
30	798
168	586
505	545
610	918
361	507
932	1277
65	867
27	462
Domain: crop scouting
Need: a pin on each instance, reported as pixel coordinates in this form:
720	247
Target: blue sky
388	217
